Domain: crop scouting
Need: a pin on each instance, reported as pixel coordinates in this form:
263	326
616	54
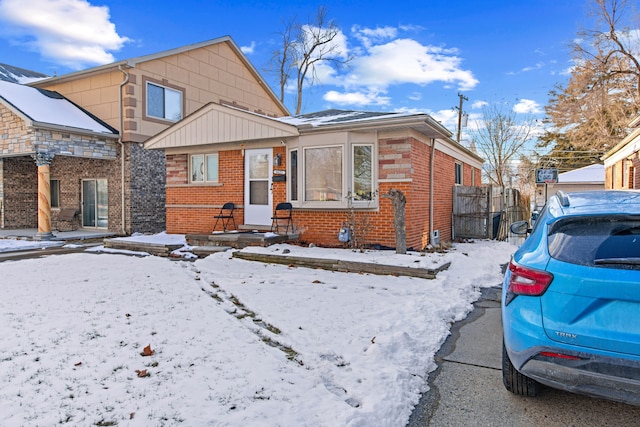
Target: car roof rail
563	198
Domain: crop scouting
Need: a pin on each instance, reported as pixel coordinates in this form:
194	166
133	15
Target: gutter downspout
120	108
431	176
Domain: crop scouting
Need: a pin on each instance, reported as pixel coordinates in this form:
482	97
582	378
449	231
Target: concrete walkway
467	389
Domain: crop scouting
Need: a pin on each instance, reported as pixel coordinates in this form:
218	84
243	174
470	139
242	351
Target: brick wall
145	193
404	164
190	208
20	202
71	171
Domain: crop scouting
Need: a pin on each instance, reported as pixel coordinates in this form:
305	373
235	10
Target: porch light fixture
277	160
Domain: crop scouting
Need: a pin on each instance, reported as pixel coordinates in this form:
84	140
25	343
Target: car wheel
514	381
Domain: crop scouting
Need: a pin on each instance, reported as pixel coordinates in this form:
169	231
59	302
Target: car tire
514	381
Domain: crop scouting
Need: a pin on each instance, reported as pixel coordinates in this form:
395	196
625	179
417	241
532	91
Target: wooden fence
485	212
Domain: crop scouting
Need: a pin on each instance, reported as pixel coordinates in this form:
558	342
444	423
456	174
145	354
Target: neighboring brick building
622	162
333	167
136	98
36	127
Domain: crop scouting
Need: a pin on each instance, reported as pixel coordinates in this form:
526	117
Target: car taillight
527	281
559	355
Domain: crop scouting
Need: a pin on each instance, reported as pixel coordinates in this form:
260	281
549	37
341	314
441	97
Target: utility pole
462	99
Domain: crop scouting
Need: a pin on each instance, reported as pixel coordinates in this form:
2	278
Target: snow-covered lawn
233	342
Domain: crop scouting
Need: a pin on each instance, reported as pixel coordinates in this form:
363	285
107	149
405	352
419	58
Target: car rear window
608	242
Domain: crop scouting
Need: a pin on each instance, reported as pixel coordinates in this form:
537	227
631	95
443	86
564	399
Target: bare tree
589	115
303	48
282	58
501	136
611	50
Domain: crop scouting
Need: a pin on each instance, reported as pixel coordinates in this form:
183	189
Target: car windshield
601	241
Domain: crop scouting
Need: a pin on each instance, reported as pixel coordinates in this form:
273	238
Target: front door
258	199
95	210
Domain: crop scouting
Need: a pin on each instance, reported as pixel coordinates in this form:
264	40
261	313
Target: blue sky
409	55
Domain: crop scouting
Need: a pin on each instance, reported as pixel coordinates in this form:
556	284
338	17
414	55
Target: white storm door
258	200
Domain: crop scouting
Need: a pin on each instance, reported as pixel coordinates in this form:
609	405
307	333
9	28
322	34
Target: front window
323	174
362	173
293	171
204	168
332	176
163	102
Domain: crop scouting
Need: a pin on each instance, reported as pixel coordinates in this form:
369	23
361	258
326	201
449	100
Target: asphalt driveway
467	390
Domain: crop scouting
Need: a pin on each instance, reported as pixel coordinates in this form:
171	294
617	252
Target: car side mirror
520	227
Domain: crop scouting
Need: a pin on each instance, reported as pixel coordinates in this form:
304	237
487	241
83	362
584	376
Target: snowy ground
233	342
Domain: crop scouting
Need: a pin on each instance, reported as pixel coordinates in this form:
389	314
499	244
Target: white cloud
527	106
355	98
370	35
448	118
479	104
534	67
70	32
407	61
248	50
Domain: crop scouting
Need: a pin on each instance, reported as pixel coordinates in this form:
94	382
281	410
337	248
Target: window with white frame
336	176
473	177
458	173
203	168
362	173
163	102
293	175
323	174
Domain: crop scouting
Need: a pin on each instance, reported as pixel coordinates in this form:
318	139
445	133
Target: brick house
623	160
36	126
332	166
137	97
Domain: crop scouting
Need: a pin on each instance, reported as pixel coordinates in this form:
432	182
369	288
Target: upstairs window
163	102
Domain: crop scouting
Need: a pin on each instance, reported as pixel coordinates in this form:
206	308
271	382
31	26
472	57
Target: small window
473	177
163	102
293	172
204	168
458	173
362	173
55	193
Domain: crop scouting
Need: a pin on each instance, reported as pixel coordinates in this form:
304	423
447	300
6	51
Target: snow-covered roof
591	173
12	74
336	117
45	107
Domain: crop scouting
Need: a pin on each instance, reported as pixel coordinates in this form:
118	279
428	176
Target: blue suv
571	299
